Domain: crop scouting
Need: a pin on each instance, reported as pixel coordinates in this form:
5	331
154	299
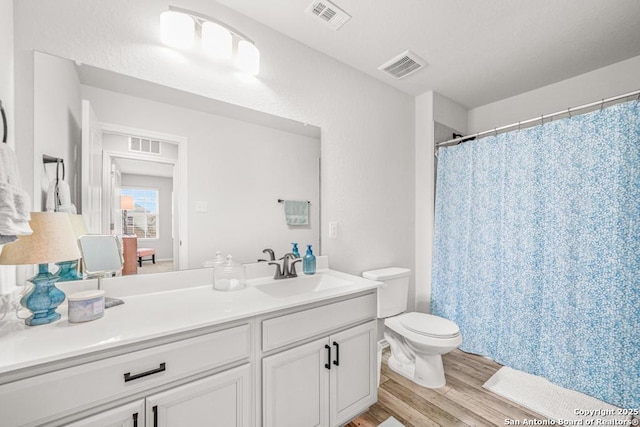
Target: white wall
433	113
239	169
367	126
164	244
424	196
617	79
56	127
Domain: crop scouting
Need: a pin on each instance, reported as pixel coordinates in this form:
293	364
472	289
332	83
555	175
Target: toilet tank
392	296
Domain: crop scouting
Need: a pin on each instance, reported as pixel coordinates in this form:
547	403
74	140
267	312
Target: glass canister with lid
229	276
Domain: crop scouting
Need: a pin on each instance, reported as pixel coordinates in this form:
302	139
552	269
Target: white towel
296	212
59	197
15	204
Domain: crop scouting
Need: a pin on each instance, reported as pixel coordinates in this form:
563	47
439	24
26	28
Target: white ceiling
144	167
478	51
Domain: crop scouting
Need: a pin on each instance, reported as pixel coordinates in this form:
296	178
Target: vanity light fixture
179	28
248	58
216	40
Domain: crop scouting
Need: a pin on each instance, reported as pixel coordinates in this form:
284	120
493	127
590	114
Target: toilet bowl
417	340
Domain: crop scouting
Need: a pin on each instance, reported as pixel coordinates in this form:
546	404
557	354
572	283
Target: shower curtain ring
602	105
569	111
518	125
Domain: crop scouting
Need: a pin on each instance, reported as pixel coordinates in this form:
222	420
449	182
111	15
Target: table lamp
52	241
126	204
69	269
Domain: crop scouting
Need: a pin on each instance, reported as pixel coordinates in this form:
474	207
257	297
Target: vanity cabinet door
221	400
353	372
295	387
130	415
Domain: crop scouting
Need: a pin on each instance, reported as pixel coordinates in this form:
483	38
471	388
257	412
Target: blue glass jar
309	262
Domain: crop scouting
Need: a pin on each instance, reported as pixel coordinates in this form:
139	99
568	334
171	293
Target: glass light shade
216	40
78	225
248	58
177	29
126	203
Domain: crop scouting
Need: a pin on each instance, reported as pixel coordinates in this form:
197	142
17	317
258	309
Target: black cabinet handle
135	420
128	377
155	416
328	364
337	361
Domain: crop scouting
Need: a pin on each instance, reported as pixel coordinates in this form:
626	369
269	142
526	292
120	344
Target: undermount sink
285	288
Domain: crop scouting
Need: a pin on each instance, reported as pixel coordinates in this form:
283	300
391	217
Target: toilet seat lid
430	325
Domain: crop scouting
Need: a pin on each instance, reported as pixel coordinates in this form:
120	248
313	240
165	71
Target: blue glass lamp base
68	271
43	299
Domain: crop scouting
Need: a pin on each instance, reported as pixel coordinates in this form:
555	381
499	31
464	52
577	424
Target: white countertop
151	315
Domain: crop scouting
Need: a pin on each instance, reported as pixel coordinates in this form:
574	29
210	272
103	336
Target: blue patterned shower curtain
537	250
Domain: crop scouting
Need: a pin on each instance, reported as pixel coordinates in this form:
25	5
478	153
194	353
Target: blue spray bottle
294	250
309	262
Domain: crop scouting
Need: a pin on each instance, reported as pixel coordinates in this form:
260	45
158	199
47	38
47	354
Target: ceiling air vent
328	13
144	145
402	65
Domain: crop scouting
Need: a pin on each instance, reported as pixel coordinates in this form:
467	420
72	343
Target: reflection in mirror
206	176
101	254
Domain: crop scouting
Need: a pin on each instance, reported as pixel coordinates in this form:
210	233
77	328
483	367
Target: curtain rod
474	136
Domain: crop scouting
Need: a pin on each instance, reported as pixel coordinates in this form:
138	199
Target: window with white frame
142	220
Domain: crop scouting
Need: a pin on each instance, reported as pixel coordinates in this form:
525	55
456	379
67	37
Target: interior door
91	174
295	387
353	374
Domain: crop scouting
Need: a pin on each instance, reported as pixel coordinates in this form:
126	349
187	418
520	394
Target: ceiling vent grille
144	145
328	13
404	64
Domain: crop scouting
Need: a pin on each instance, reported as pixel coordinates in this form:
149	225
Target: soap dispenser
309	262
294	250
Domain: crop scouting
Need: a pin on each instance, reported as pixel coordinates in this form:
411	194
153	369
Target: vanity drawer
71	390
290	328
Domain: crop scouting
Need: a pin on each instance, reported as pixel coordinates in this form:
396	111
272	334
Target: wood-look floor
461	402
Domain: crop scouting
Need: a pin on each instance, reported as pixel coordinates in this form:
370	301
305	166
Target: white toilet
417	340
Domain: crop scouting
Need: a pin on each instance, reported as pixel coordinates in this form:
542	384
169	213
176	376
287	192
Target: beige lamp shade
53	240
126	203
78	225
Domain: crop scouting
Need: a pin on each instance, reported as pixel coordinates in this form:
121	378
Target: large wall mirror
187	175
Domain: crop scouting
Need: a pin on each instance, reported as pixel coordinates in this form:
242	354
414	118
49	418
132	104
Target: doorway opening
144	196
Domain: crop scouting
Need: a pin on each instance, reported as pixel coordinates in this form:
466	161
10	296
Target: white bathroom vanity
293	352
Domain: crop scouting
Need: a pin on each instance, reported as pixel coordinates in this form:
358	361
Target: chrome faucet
272	255
288	269
278	275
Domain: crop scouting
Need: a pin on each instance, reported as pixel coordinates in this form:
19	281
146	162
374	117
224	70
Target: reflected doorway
140	204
